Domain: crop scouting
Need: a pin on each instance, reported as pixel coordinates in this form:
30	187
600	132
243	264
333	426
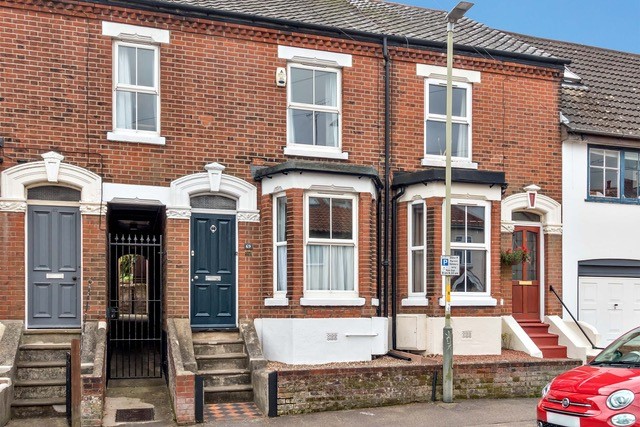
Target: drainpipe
378	253
394	259
387	150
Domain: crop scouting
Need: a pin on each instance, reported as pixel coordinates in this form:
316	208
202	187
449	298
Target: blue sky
612	24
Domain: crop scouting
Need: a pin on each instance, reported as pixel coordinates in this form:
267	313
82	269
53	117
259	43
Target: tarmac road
465	413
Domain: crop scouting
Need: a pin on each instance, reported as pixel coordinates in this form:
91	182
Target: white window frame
416	298
324	297
472	298
619	181
278	294
314	150
454	119
132	135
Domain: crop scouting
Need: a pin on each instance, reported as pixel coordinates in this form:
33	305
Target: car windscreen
623	351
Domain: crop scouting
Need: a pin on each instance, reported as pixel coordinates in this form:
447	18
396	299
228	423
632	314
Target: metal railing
593	346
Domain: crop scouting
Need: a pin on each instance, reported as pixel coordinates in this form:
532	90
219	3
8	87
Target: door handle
74	278
615	306
195	277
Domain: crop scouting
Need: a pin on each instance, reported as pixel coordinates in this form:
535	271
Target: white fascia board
134	32
316	57
112	191
318	181
436	72
420	191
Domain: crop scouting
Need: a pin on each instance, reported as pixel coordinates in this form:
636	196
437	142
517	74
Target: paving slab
135	398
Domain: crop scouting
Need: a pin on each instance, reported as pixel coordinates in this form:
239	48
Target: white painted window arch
550	212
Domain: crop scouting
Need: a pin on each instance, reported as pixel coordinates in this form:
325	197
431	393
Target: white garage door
611	304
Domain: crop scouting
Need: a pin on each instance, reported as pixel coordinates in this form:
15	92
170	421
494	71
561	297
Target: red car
605	392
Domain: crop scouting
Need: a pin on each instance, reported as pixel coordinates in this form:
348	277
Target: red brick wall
12	264
313	390
94	262
56	95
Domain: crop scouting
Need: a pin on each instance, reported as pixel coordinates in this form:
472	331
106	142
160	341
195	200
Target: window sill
313	152
441	163
415	302
276	302
470	301
353	302
612	200
132	137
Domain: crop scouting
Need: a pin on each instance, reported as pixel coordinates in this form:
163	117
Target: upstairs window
436	115
136	92
314	106
614	175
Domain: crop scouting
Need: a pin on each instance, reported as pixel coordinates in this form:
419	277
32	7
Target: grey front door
213	271
53	267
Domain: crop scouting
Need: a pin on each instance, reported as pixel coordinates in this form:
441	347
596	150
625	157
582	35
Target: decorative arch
15	180
213	181
549	210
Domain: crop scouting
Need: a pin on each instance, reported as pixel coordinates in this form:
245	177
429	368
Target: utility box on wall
411	332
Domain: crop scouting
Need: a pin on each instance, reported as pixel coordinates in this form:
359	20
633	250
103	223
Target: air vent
466	335
332	336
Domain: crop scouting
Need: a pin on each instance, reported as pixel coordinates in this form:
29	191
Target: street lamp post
447	332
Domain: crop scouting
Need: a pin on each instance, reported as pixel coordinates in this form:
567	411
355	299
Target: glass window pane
459	140
281	265
147	117
146	67
525	216
342	219
458	214
459	104
417	224
319	219
326	86
611	182
301	85
125	109
281	220
436	138
630	183
437	99
596	179
611	159
317	268
532	248
342	268
326	129
475	224
472	272
596	157
301	122
126	65
417	276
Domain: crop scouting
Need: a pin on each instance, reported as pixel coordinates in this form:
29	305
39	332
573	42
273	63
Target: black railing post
199	385
574	319
68	389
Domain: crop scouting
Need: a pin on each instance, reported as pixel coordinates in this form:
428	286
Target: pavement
465	413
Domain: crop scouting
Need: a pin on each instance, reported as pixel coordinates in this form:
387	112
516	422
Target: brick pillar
12	263
177	283
94	267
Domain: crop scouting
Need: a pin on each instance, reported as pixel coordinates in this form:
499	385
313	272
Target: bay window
417	250
280	246
470	240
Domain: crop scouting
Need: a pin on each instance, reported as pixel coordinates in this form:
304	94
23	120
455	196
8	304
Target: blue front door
213	271
53	267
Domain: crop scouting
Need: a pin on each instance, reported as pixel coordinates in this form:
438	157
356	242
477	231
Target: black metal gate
135	306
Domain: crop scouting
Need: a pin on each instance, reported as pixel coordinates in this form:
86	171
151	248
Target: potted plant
514	256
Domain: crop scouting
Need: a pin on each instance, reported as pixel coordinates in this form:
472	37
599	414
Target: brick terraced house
226	163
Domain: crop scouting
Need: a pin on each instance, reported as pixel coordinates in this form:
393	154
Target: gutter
576	131
365	36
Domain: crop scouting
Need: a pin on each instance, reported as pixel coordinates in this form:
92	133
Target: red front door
526	275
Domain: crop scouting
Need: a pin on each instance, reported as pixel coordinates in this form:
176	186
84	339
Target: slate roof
372	16
606	100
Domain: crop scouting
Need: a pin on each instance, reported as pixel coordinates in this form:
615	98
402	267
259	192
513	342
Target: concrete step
38	408
544	339
33	336
228	394
218	347
553	351
41	370
43	352
534	327
226	377
40	392
222	361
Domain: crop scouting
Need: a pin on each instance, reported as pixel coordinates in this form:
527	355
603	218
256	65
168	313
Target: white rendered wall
471	335
310	341
591	230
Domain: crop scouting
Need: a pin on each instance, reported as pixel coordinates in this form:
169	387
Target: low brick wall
94	373
181	370
328	389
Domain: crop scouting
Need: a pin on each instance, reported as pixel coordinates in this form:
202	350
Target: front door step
546	341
